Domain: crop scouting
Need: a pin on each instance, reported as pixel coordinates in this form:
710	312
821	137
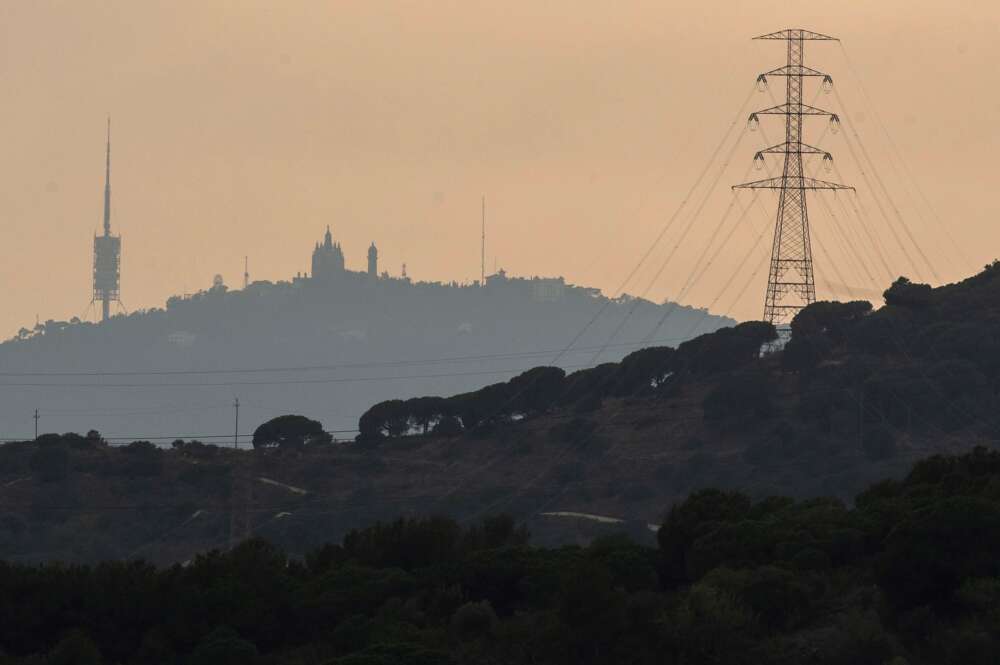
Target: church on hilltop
328	259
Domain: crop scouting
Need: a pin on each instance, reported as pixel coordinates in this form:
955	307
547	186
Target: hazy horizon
247	129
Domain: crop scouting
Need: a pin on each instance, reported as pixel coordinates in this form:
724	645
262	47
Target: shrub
474	620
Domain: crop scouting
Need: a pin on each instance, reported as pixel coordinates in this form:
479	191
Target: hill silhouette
326	347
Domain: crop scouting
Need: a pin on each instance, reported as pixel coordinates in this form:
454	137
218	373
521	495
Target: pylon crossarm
793	183
787	109
785	148
795	70
798	34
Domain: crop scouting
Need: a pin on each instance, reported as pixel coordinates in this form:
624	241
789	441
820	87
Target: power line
905	166
445	360
885	191
281	382
663	231
176	437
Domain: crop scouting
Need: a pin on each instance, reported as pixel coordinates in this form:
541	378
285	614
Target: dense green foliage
910	573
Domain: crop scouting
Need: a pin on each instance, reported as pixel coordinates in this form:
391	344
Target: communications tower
790	283
107	249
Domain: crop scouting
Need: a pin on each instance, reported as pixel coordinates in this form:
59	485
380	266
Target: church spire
107	184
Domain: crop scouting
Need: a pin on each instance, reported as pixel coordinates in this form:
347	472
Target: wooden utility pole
482	248
236	431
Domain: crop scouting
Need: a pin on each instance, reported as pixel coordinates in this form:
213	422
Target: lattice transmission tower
791	284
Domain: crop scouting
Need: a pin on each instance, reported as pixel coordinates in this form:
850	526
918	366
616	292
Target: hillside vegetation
908	575
855	397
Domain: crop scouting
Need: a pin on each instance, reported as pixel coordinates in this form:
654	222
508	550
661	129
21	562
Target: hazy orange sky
245	127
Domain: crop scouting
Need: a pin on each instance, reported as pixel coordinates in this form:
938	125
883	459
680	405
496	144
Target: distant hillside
344	342
856	396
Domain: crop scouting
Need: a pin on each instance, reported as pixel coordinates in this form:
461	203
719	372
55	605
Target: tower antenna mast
791	284
107	183
107	249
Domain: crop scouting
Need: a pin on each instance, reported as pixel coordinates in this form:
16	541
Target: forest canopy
910	572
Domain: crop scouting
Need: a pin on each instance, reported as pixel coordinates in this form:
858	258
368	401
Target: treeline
538	390
927	362
908	575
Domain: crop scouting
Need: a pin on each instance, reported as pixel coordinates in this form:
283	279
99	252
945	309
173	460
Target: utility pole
791	284
36	424
482	248
240	489
246	272
236	432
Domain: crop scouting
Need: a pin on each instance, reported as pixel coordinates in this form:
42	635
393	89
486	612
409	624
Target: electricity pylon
790	283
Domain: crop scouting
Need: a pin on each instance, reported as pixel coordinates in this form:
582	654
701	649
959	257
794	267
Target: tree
833	319
688	520
427	412
290	432
75	649
644	370
905	293
536	390
725	349
224	646
474	620
818	328
386	419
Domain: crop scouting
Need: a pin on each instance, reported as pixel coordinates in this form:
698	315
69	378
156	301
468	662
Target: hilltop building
536	289
327	259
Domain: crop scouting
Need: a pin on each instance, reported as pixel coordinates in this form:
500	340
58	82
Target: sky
244	128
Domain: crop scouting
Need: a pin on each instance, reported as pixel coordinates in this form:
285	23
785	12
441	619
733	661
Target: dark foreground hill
856	396
909	575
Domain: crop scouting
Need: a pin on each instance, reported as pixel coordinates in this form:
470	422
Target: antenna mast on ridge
790	283
107	249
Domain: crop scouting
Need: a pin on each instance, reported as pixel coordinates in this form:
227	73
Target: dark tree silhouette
290	432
